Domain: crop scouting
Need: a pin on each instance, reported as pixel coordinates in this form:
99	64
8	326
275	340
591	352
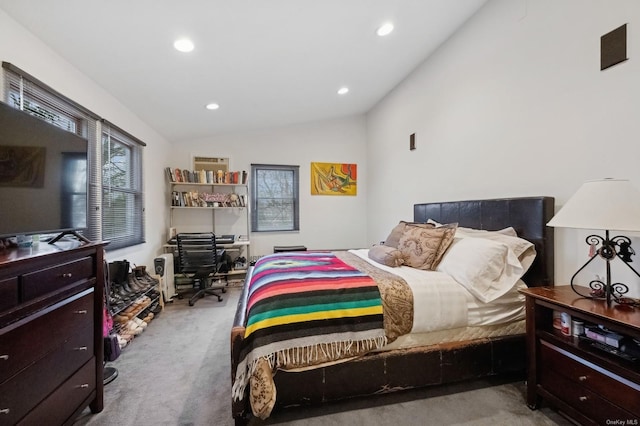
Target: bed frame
384	372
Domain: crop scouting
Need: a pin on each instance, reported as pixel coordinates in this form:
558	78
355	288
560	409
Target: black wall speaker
159	265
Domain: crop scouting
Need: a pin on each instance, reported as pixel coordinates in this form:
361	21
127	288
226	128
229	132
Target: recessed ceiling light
212	106
385	29
183	45
343	91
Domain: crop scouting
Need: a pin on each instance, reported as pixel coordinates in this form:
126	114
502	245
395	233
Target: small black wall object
613	47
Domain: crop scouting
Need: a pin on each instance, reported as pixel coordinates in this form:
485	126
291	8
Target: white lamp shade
610	204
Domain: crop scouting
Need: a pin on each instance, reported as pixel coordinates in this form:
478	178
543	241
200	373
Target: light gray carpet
178	373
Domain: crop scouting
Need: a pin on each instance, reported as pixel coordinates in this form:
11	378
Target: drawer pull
81	348
83	386
67	275
582	398
582	378
4	357
82	312
4	411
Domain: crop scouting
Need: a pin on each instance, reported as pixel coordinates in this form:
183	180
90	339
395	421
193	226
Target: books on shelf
205	199
206	176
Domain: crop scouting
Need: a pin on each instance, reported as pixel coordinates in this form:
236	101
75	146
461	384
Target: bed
412	357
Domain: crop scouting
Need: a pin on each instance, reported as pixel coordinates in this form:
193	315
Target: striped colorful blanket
305	306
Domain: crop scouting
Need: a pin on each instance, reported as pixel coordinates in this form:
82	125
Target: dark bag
111	347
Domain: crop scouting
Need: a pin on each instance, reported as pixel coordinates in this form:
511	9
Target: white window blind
122	195
123	222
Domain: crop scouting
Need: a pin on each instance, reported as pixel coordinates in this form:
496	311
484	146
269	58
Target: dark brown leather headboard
527	215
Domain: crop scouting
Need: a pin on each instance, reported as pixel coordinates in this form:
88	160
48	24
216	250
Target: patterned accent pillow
394	237
423	248
449	231
388	256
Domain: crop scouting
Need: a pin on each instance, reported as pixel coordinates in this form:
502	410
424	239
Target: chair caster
191	303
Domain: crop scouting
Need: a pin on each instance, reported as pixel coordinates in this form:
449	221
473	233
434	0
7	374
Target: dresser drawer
8	293
25	390
25	342
44	281
57	407
556	361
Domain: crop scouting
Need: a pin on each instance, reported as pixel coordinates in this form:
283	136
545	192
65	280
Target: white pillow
486	268
461	231
524	250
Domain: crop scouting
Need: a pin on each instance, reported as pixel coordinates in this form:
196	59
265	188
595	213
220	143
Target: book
177	173
169	174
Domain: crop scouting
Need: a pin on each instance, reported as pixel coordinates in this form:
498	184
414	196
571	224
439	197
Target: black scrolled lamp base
610	248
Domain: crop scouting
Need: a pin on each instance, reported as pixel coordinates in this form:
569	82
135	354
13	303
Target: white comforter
441	303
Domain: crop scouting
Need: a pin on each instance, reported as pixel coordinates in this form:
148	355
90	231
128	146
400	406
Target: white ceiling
266	62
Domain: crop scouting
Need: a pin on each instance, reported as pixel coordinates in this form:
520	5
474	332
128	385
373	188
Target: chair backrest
197	251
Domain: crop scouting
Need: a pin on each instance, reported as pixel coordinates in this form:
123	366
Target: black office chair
199	256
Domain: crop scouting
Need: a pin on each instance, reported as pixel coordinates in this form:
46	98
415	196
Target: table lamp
609	205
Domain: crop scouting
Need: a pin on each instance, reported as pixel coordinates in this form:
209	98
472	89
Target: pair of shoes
134	327
139	322
122	342
126	335
155	308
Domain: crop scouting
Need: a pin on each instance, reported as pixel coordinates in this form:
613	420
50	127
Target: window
122	200
115	211
274	198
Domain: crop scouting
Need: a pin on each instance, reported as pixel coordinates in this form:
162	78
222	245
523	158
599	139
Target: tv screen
43	176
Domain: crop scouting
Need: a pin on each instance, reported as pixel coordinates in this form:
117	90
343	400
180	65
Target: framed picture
334	179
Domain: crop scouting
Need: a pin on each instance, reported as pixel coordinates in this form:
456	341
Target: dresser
51	344
587	383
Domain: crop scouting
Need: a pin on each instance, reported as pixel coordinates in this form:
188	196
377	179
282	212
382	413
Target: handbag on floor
111	347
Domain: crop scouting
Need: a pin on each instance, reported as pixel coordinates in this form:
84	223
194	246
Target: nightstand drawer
41	282
595	379
8	293
581	399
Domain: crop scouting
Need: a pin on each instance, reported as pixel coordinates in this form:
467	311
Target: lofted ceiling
267	63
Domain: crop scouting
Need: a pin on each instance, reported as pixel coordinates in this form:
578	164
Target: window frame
85	124
256	169
132	191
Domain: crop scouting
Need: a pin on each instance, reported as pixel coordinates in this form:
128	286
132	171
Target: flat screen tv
43	177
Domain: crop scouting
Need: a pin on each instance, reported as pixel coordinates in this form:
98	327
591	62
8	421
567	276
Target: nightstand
588	384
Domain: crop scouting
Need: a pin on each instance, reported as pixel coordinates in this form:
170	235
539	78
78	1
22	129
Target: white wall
21	48
326	222
514	104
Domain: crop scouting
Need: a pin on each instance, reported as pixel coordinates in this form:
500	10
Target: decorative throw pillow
423	247
394	237
449	232
388	256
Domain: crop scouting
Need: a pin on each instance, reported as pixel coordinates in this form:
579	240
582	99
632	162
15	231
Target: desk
238	246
